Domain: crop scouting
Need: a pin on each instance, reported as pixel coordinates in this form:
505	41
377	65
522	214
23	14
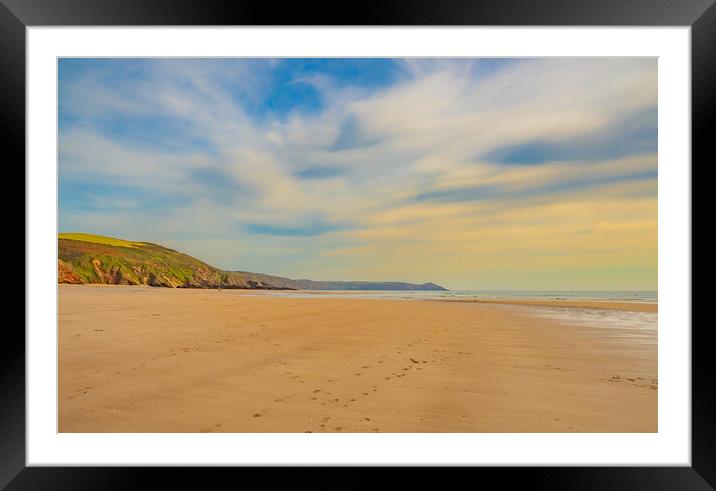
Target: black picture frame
17	15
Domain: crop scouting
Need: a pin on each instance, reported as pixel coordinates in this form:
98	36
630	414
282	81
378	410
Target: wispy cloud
372	169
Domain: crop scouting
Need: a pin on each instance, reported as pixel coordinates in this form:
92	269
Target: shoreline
575	304
586	303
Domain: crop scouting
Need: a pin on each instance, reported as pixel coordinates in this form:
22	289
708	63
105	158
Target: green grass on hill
98	259
106	260
99	239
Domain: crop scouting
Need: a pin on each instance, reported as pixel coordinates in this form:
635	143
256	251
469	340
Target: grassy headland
88	258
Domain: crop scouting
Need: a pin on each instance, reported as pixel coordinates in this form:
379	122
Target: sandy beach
140	359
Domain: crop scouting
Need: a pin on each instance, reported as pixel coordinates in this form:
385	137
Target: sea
641	296
638	327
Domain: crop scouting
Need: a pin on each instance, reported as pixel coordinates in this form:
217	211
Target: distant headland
95	259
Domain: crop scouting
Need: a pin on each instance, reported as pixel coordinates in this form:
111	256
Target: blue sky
474	173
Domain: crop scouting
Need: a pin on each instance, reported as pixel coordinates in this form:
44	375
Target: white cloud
426	132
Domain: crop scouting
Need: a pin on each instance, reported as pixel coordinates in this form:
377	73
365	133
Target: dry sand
135	359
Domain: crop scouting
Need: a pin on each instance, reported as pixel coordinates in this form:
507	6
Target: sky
483	174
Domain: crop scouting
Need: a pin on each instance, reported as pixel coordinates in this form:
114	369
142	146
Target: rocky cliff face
95	259
65	274
139	264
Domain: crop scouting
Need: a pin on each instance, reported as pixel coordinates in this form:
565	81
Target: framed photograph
440	236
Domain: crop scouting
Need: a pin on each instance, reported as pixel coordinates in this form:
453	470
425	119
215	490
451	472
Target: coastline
577	304
442	296
139	359
621	305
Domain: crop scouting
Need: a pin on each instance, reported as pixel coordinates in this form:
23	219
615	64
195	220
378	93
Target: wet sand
136	359
581	304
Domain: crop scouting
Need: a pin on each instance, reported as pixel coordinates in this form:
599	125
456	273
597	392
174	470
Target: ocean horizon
642	296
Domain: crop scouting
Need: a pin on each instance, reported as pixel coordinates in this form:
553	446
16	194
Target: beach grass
99	239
